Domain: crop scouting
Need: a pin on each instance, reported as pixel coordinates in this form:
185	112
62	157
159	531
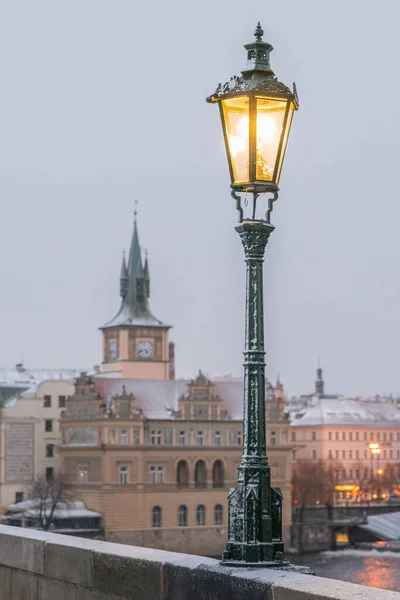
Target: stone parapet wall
36	565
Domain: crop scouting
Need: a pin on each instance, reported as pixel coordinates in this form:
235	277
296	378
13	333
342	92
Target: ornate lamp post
256	112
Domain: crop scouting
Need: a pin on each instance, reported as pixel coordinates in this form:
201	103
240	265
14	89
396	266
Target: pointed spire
123	280
278	385
146	276
319	384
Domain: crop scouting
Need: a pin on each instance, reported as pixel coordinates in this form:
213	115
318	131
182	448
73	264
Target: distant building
157	458
30	430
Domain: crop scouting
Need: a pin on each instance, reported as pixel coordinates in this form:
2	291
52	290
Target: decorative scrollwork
271	206
238	84
238	205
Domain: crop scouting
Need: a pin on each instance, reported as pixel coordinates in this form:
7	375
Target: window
391	454
344	473
384	436
357	454
112	350
83	476
391	436
350	454
314	454
378	435
293	454
239	438
336	435
156	516
19	496
152	474
182	438
293	436
218	474
200	438
201	515
351	474
343	435
398	436
284	437
357	436
168	435
273	438
384	454
350	436
111	437
366	473
136	435
200	474
153	437
343	453
123	475
159	437
160	475
371	436
49	473
337	453
313	435
217	438
365	436
182	516
49	450
47	401
62	401
123	437
365	453
218	514
48	426
357	474
330	435
329	453
182	474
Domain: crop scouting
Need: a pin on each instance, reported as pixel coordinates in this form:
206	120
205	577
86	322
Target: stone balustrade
36	565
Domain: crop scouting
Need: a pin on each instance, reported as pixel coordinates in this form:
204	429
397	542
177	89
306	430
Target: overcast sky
103	101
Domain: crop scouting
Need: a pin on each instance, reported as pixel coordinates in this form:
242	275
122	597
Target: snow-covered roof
65	509
155	397
339	411
385	527
27	377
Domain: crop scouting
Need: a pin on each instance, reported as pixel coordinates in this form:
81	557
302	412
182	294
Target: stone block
21	551
132	578
24	586
49	589
69	563
5	583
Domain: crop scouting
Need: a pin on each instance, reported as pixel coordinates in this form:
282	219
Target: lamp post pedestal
255	509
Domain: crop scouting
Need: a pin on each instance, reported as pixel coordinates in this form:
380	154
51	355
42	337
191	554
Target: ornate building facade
157	458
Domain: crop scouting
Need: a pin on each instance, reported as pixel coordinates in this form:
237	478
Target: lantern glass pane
236	116
270	117
284	142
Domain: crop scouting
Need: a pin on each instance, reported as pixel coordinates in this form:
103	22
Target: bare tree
46	495
314	482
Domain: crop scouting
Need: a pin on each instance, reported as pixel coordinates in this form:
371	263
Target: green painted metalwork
255	509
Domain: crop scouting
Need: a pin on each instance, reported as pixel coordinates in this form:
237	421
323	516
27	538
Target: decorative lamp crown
256	112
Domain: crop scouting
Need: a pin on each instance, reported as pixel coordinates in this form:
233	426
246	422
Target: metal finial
258	32
135	210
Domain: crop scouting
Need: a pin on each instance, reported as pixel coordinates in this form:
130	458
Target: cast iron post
255	509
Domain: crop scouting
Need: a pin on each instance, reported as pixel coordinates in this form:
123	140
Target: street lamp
256	112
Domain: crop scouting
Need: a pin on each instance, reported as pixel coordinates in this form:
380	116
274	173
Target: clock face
145	348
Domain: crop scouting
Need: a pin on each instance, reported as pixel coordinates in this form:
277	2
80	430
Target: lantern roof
257	75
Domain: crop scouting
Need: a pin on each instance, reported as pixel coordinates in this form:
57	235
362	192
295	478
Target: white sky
103	101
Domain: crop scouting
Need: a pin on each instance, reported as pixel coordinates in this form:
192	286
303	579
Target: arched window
218	474
201	515
182	516
182	474
156	516
200	474
218	514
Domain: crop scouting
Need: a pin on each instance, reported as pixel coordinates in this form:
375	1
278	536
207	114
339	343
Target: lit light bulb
239	142
266	129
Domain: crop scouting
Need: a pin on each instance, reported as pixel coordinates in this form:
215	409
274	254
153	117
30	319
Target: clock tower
135	343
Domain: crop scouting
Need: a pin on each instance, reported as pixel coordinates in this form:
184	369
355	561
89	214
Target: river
374	568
